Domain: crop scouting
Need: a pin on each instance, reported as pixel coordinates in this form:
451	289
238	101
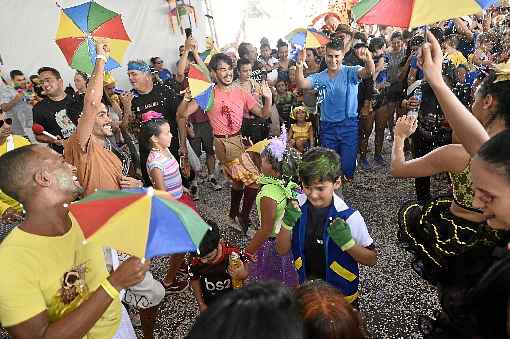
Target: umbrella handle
425	33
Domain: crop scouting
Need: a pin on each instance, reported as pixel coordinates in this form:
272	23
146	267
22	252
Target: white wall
28	27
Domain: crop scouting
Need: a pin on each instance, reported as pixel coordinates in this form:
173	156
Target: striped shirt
169	167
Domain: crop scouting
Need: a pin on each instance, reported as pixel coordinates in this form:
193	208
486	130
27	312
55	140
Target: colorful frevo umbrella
141	222
201	86
307	38
414	13
80	26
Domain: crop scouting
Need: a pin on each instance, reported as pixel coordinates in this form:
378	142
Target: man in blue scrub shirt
337	88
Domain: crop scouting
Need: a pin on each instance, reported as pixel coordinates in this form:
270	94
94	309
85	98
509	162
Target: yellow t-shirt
457	58
52	273
5	200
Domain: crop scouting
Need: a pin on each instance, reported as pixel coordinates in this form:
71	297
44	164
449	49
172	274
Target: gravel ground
392	294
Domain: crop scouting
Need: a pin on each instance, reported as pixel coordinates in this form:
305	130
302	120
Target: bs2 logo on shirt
218	286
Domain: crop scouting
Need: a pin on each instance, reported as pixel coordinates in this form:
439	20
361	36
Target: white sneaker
194	193
214	183
251	233
235	224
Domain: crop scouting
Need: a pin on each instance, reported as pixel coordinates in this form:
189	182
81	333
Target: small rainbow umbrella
142	222
414	13
80	25
307	38
201	86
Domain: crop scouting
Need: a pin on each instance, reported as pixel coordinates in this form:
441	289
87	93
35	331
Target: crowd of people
286	129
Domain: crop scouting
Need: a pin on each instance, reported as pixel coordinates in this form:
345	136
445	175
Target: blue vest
342	270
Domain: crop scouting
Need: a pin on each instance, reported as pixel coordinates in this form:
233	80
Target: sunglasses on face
159	62
7	121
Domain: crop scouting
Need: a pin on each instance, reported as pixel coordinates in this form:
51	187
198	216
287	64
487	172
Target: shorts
203	140
146	294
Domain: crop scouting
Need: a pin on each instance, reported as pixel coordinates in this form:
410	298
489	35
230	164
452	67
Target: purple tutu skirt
271	266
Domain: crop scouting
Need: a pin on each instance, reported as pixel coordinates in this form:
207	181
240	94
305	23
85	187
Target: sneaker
177	286
365	165
214	184
379	160
135	319
180	284
235	224
245	224
251	233
194	193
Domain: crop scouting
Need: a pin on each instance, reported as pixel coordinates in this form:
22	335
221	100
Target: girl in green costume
278	166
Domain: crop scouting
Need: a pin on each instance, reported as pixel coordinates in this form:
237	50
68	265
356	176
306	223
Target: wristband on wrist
109	289
287	227
348	245
102	57
249	256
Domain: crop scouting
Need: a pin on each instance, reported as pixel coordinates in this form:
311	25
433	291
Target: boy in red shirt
210	274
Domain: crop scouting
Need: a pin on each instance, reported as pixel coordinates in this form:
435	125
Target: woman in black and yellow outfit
451	242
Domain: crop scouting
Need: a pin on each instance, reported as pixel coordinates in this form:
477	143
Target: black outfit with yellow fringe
449	252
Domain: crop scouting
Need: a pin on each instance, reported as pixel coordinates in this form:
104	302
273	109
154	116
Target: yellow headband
300	108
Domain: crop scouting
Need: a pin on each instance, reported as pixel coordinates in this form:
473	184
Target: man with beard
101	165
58	113
338	93
225	117
148	96
53	285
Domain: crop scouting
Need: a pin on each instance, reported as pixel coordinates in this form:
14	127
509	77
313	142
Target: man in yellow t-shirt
10	209
52	285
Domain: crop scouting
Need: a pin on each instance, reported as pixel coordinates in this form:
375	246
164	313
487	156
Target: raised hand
102	47
430	60
301	56
405	127
266	90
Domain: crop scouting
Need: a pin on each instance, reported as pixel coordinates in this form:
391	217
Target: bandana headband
151	115
135	66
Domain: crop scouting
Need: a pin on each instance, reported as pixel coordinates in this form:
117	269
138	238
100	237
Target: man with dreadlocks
278	166
327	238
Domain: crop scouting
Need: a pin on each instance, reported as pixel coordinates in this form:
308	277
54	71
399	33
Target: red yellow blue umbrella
307	38
78	28
142	222
201	86
414	13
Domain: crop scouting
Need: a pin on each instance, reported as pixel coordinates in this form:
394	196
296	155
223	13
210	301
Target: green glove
291	216
340	232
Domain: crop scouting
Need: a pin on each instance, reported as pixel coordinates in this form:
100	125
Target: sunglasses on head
7	121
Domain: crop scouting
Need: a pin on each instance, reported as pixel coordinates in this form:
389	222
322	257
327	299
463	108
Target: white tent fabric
28	27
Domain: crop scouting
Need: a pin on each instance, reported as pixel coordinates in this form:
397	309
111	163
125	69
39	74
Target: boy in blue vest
327	238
